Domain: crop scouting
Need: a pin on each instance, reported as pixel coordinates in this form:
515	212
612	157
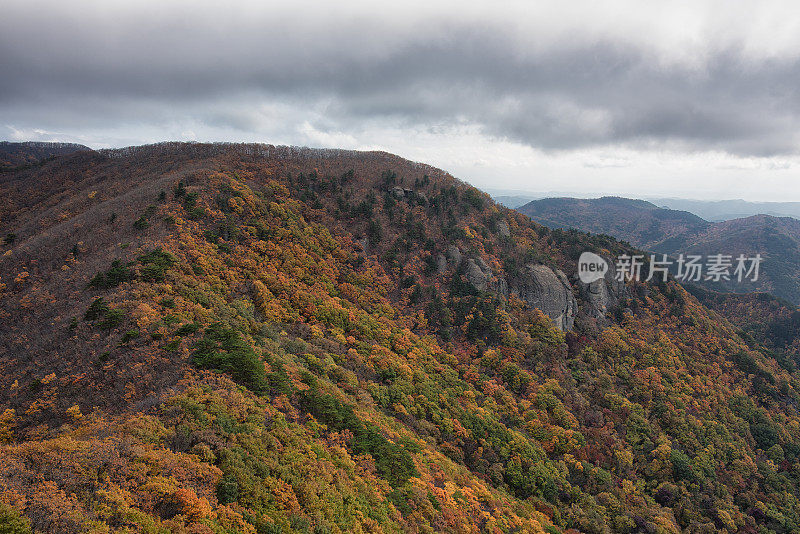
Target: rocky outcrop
454	255
502	229
548	290
402	192
441	264
599	297
478	273
499	286
539	286
603	294
476	270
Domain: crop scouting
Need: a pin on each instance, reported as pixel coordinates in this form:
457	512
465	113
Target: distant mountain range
725	210
668	231
710	210
513	201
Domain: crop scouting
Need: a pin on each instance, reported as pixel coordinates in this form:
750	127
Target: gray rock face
478	273
599	297
502	229
499	286
603	294
441	264
364	244
481	276
550	291
454	255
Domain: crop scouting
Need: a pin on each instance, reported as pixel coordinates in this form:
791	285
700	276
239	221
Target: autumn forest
237	338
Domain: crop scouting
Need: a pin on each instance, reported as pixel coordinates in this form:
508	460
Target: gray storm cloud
99	66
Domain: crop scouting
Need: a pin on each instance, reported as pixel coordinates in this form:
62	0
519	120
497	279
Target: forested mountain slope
17	155
639	222
247	338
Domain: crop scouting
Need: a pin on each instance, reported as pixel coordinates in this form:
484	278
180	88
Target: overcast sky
641	98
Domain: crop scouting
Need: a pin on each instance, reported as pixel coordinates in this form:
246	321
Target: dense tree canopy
279	350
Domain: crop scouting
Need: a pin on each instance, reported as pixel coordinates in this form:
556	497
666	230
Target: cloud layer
695	77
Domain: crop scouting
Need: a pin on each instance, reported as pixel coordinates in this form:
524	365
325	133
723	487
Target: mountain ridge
639	222
220	339
18	154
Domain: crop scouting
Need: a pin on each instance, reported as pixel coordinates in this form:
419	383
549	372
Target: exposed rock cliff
538	285
478	273
454	255
550	291
502	229
603	294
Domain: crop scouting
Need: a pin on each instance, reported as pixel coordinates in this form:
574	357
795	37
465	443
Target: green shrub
179	190
112	319
298	523
12	522
155	265
474	198
106	317
399	498
392	461
129	335
116	274
188	328
97	309
681	465
264	526
517	379
190	203
280	383
141	223
225	349
227	489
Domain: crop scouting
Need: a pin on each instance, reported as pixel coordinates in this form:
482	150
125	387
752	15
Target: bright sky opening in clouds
641	98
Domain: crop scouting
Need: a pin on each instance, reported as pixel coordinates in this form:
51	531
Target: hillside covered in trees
15	156
258	339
